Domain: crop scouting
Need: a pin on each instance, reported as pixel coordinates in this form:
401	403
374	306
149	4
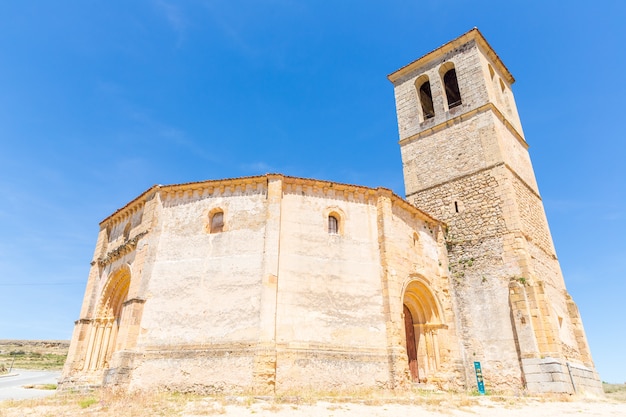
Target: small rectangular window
333	225
217	222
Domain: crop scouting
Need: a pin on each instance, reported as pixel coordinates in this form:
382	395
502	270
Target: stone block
550	387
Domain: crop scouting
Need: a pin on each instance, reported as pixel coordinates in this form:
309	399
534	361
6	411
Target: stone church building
273	283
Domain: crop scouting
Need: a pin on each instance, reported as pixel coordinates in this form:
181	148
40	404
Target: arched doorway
106	323
411	343
422	323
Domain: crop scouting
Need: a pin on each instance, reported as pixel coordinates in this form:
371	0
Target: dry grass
32	354
111	402
119	403
273	407
116	403
49	387
615	392
98	403
432	400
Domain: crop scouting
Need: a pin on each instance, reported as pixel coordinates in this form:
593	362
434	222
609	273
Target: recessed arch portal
422	324
106	323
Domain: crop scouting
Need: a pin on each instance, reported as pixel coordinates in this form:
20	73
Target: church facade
273	283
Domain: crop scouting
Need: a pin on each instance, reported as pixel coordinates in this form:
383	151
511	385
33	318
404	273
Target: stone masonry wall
415	250
333	324
533	219
460	151
330	279
478	202
479	272
469	167
329	323
274	302
513	151
499	90
200	279
471	85
202	308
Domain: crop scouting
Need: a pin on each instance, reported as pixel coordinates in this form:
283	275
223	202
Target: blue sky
99	100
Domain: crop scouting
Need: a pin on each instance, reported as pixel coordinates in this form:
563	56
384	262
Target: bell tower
466	162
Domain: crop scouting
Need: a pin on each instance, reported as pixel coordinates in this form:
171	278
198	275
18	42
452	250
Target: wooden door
411	347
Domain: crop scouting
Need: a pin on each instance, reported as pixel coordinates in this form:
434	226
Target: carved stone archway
106	324
422	324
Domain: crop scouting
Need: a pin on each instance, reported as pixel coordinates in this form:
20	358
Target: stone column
398	366
264	372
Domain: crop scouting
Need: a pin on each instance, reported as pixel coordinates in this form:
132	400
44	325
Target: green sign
479	378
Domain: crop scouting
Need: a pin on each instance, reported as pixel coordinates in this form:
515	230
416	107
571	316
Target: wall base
551	375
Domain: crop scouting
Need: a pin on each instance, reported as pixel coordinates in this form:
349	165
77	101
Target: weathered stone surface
274	301
469	166
272	283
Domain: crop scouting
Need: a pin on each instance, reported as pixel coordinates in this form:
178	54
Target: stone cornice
232	184
472	35
131	207
404	204
326	186
463	117
134	301
212	186
180	190
478	171
374	193
121	250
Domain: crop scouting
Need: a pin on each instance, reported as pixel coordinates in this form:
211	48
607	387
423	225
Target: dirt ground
107	403
111	404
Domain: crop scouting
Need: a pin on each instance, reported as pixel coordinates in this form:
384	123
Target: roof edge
472	34
131	205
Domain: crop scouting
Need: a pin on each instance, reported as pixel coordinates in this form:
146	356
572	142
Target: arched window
333	225
217	222
425	331
426	98
452	88
127	230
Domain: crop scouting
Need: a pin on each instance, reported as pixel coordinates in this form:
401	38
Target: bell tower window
425	97
452	88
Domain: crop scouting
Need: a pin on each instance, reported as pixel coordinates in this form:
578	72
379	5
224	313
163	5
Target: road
11	387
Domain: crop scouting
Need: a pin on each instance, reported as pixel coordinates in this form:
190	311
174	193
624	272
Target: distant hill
32	354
